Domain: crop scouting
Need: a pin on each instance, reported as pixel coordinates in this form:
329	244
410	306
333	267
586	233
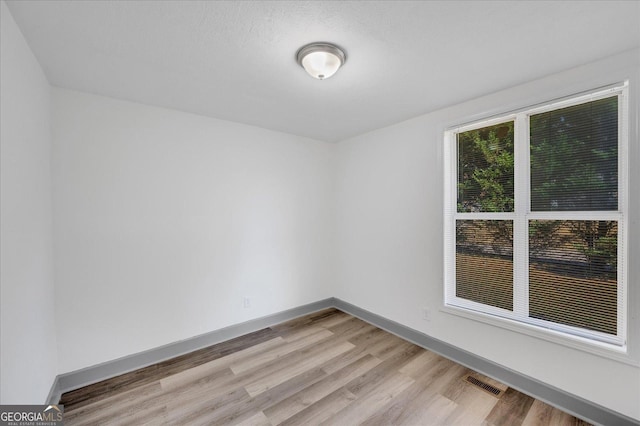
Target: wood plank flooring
326	368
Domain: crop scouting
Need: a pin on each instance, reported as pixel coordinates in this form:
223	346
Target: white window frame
518	319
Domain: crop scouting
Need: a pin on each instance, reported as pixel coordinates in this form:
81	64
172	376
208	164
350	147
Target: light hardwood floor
325	368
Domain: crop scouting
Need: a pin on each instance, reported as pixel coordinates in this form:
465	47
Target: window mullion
520	226
623	188
540	249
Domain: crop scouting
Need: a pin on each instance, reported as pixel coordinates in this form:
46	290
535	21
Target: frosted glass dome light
321	60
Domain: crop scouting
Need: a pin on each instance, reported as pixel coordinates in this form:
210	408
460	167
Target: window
535	217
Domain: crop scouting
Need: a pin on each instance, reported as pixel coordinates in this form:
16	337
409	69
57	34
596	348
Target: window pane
484	262
485	169
574	157
573	273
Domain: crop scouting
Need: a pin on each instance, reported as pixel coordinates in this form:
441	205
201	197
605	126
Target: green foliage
595	240
574	167
485	236
545	235
574	155
599	244
486	169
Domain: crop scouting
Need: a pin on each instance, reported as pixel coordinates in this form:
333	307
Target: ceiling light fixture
321	60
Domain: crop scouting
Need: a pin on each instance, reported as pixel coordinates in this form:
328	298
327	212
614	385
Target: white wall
390	238
28	341
164	221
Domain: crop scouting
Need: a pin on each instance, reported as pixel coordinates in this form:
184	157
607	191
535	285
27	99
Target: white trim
604	350
484	215
568	101
520	225
449	180
492	121
588	340
497	116
623	206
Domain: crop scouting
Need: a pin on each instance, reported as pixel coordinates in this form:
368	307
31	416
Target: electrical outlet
246	302
426	314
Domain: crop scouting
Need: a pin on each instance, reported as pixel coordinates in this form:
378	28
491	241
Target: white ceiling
235	60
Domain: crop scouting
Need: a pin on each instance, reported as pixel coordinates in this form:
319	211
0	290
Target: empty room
320	212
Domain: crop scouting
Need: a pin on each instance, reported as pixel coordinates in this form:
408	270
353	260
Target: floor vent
484	386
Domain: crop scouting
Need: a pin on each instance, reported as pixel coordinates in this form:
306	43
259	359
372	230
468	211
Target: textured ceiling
236	60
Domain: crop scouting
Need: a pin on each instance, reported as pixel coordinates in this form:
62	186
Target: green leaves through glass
486	169
538	216
574	157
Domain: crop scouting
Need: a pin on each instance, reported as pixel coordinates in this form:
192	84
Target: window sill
604	350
